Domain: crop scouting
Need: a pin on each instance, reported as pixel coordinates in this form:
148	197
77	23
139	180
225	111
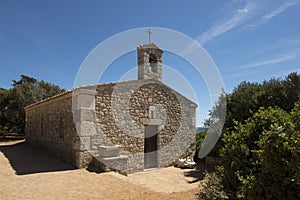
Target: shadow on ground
199	172
26	160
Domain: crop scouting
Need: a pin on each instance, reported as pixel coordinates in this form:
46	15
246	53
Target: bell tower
149	62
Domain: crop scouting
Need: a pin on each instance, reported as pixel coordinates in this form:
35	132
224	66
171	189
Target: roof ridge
104	85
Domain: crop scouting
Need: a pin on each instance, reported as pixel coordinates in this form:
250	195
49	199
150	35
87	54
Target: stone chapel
126	126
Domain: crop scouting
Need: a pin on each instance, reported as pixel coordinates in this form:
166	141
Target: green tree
24	92
247	98
214	128
3	107
259	150
242	103
240	162
260	158
291	90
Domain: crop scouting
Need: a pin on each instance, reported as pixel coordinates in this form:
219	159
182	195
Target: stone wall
49	126
123	110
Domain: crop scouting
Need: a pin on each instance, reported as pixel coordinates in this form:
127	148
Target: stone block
147	121
86	128
84	115
109	151
116	163
83	99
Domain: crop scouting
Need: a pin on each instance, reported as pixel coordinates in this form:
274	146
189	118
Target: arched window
152	63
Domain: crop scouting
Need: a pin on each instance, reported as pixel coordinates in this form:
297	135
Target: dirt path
29	174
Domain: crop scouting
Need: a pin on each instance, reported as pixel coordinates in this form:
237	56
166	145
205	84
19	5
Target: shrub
212	188
260	158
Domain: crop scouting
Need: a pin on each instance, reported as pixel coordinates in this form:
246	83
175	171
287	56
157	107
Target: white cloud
242	74
277	11
236	20
245	10
219	29
279	59
272	14
224	26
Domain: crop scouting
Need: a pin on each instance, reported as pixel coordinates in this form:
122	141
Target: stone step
118	163
116	158
108	151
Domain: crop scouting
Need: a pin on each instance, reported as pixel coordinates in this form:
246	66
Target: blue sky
248	40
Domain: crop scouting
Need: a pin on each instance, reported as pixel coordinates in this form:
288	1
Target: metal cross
149	35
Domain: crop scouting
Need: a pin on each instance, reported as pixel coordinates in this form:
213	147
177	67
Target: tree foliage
247	98
212	187
24	92
260	158
260	149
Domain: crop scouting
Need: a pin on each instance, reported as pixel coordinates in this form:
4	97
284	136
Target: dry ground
26	173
